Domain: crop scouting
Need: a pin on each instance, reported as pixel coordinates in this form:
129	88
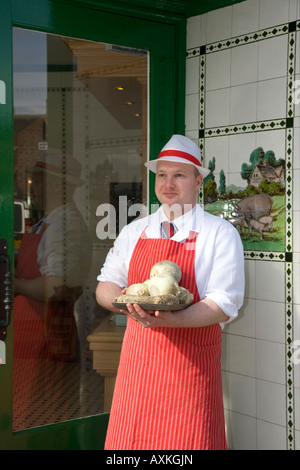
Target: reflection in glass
79	144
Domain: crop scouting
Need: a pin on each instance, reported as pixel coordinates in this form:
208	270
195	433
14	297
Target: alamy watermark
113	219
296	353
296	91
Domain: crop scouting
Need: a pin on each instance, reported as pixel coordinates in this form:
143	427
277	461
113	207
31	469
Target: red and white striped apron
35	371
168	392
28	313
29	343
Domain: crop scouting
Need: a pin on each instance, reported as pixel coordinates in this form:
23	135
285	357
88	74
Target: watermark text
296	91
113	219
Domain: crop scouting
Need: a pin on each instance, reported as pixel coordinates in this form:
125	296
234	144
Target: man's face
37	190
177	183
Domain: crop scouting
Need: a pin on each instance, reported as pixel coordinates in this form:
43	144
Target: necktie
168	229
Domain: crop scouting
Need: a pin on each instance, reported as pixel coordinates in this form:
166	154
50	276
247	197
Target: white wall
243	76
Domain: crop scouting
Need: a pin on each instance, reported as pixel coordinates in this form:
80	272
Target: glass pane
80	120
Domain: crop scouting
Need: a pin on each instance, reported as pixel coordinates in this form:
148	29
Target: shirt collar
190	221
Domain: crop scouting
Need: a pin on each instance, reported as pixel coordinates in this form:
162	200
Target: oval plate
174	307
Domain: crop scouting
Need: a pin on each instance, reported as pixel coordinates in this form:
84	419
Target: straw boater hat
180	149
55	162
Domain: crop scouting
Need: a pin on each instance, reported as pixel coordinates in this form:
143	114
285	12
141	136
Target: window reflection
78	144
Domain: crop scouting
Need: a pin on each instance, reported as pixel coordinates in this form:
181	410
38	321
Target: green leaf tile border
287	123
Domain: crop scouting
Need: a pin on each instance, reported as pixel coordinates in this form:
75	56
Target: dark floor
55	392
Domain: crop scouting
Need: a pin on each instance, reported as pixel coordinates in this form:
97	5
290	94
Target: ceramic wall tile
224	356
241	431
240	148
249	60
241	394
270	361
296	159
293	9
297	96
250	276
297	57
244	64
244	325
193	31
273	12
217	105
192	76
271	99
269	281
296	189
233	179
297	414
192	112
270	321
272	140
218	70
243	103
245	17
196	31
241	355
219	24
270	399
270	436
272	58
297	440
296	283
296	230
192	134
225	390
297	334
218	147
296	257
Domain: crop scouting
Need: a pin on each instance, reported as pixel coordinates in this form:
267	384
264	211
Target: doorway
80	143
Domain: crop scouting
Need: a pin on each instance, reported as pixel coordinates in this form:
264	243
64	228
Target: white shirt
219	257
65	248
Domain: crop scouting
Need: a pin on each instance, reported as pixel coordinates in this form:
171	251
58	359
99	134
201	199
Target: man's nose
170	182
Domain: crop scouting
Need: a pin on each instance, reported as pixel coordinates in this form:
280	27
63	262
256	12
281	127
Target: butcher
168	392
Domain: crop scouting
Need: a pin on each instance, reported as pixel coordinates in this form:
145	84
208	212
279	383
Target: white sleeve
66	252
225	283
115	268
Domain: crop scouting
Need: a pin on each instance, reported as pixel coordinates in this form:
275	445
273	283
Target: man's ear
199	181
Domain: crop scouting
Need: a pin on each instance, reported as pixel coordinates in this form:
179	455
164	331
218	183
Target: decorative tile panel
285	123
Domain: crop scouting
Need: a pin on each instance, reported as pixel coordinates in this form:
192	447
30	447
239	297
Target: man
168	392
53	262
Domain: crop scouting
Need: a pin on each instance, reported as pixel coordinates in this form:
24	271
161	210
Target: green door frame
165	39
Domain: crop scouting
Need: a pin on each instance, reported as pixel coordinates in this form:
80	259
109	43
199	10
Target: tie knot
168	229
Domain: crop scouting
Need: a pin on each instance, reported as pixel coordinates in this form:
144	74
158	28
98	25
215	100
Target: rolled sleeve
116	265
115	268
225	283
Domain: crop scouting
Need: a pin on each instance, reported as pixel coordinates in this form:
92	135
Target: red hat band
180	154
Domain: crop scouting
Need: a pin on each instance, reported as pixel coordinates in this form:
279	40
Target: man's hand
149	318
203	313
